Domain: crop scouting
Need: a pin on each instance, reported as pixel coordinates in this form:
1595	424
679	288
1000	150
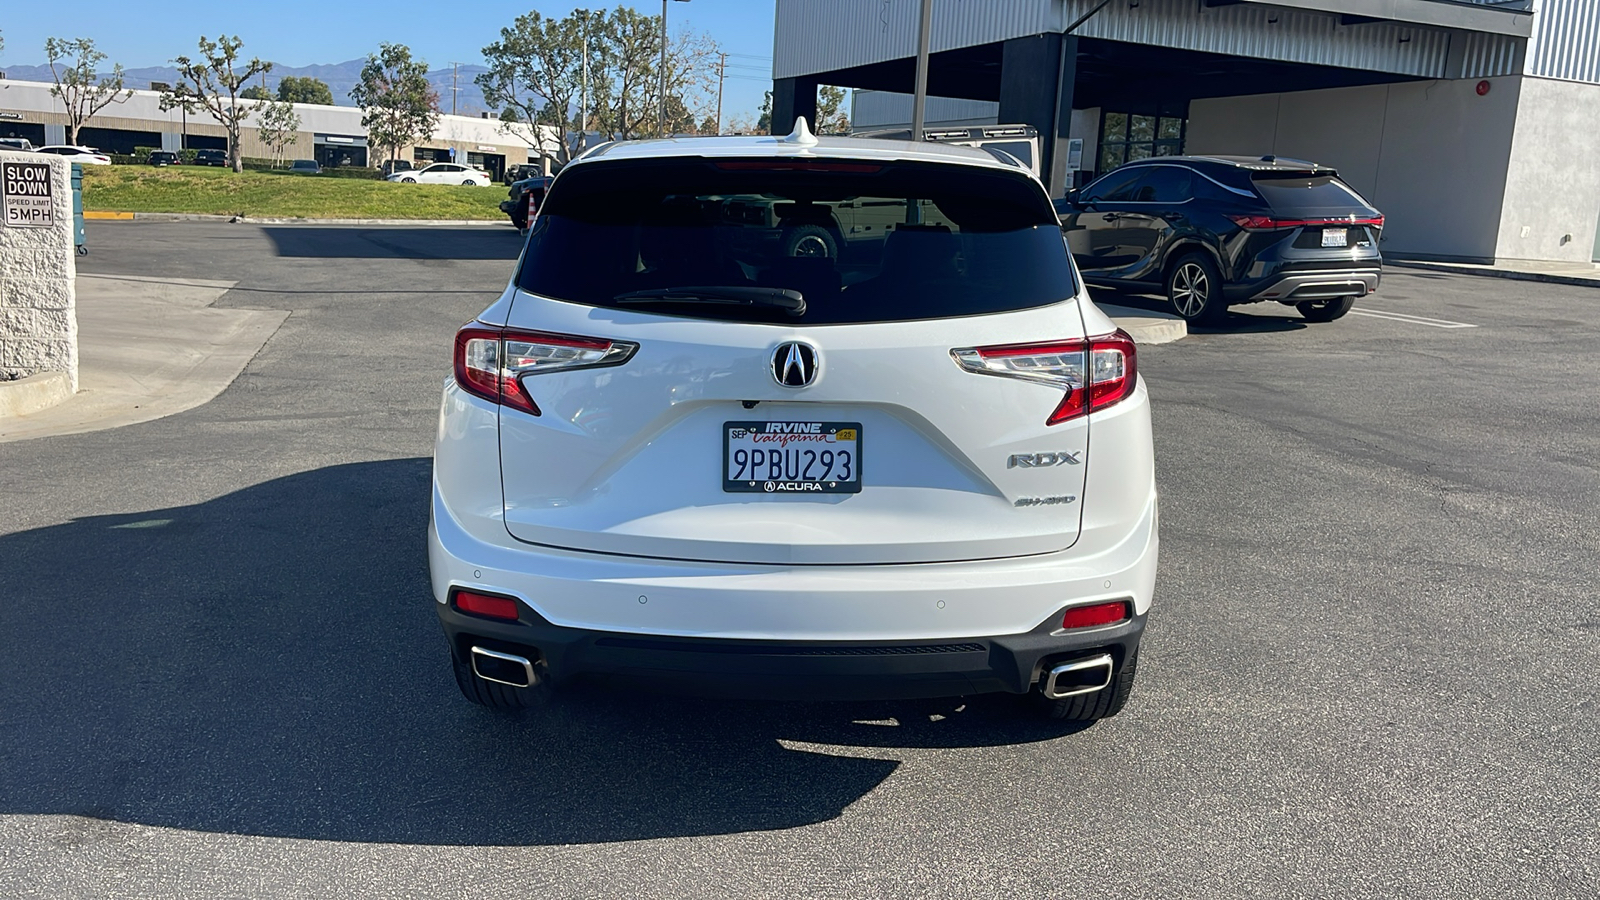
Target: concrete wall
1552	193
38	315
1432	155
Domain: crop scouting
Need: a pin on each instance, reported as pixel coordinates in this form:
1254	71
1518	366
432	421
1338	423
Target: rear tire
469	183
1194	288
494	696
1102	704
809	241
1325	310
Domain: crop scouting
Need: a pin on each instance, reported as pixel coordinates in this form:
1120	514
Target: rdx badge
1043	460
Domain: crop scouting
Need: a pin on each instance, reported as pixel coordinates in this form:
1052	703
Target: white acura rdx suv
795	417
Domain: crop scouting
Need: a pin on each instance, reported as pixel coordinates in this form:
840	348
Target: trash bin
77	210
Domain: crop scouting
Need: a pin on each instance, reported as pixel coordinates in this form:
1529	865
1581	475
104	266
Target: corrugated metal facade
879	108
822	35
1566	40
1487	54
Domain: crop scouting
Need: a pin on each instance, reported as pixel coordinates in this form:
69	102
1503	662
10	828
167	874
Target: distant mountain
340	78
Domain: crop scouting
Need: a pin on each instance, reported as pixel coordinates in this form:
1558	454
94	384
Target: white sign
28	194
1074	154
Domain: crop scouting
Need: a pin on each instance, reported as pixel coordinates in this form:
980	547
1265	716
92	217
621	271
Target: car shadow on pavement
268	663
442	242
1263	318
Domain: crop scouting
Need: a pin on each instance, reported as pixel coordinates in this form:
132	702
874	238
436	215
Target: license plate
791	457
1334	237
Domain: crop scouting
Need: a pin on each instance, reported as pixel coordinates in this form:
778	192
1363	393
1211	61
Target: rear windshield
1322	193
860	242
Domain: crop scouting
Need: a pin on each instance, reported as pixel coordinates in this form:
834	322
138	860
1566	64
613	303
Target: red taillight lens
1095	373
487	605
1095	614
1272	223
492	362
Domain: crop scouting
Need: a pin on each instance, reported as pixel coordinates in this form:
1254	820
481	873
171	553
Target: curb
1146	326
1485	271
33	393
279	220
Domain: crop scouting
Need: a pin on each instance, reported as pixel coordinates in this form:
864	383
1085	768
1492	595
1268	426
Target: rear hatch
704	382
1331	221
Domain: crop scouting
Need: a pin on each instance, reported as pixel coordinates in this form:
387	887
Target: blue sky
142	34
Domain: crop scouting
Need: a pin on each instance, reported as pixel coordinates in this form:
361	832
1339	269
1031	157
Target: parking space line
1410	319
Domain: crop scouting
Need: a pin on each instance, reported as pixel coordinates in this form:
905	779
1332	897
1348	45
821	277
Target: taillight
1273	223
1094	373
492	362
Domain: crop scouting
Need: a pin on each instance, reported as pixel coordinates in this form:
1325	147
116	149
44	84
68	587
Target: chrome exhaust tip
1081	676
503	668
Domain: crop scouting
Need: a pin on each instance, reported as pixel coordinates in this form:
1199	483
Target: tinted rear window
862	242
1324	193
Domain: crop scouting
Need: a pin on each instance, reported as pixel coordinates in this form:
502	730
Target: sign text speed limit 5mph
28	194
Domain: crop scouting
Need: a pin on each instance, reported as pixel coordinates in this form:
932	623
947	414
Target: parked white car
687	448
443	173
86	155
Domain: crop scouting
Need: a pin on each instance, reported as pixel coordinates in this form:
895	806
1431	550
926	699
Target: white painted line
1409	319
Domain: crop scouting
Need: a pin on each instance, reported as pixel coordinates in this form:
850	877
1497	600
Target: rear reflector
1095	614
1095	373
487	605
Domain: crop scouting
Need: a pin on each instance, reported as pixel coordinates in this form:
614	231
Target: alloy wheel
1190	290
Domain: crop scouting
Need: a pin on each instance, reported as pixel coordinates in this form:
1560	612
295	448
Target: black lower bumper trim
792	669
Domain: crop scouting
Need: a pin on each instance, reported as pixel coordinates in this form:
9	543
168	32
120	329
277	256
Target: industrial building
332	135
1475	126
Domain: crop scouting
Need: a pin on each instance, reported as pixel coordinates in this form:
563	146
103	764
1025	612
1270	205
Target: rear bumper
1315	284
852	670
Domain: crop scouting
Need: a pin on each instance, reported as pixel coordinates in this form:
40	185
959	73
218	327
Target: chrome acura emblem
794	364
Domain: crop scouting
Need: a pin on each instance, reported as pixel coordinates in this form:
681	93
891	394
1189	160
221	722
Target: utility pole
455	75
722	71
919	97
583	98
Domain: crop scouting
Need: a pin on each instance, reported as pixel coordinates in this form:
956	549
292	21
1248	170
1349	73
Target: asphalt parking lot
1372	669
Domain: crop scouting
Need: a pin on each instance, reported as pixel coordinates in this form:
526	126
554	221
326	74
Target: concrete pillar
1036	80
38	313
792	98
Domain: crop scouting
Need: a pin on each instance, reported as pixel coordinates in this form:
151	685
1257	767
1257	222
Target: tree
764	121
255	92
634	44
293	89
399	107
213	83
536	72
279	128
74	65
831	115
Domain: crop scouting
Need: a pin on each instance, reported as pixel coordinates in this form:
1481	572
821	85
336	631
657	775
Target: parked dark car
211	158
517	173
305	167
1215	231
390	166
521	193
163	158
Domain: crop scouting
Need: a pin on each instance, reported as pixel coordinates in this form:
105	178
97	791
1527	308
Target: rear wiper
791	302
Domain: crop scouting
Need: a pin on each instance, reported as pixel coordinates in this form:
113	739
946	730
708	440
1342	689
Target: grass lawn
199	189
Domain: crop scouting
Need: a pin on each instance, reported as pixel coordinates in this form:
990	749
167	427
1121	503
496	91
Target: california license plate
1334	237
791	457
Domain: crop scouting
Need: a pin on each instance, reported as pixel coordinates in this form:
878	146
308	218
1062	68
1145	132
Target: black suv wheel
1194	288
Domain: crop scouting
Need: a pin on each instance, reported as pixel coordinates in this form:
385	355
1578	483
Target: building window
1125	137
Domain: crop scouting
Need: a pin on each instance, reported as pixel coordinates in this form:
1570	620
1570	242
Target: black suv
1212	231
211	157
